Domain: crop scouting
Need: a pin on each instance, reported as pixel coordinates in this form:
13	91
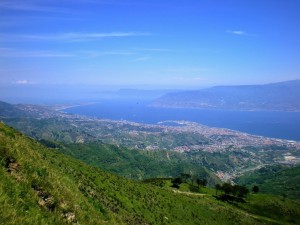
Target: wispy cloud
11	53
31	5
199	78
240	33
143	58
190	70
95	54
154	49
117	53
236	32
24	82
70	36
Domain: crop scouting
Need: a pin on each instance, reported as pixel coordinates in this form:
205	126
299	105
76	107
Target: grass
136	164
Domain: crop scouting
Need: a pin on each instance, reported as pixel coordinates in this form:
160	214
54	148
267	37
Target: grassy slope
278	180
94	196
137	164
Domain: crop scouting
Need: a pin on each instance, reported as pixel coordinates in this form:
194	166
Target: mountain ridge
281	96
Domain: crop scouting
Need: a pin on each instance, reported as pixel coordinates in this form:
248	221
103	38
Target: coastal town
228	153
182	136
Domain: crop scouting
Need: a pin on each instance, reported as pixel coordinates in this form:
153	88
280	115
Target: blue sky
148	43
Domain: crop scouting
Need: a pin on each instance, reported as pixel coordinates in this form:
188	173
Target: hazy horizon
70	94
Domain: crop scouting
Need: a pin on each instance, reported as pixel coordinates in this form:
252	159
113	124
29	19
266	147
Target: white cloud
236	32
240	33
190	70
154	49
70	36
99	35
22	82
117	53
35	6
46	54
199	78
11	53
144	58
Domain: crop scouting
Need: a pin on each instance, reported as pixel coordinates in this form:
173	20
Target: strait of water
285	125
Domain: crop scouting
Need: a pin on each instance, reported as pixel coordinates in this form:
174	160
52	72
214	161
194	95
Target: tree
284	195
243	191
255	189
218	188
185	177
235	190
204	182
227	188
176	182
201	182
194	179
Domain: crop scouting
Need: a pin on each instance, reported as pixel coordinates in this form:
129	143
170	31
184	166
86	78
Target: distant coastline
62	107
221	109
275	124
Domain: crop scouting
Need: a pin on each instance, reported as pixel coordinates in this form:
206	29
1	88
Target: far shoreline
69	106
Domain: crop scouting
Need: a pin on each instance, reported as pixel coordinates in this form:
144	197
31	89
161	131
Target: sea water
285	125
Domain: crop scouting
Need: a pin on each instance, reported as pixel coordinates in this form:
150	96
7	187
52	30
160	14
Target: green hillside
41	186
278	180
136	164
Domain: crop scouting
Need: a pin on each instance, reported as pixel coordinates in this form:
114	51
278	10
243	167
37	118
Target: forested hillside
279	180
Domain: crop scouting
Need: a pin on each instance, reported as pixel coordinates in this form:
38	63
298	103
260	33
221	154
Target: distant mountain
141	94
18	111
10	111
283	96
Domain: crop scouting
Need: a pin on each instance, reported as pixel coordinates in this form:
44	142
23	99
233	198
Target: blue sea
285	125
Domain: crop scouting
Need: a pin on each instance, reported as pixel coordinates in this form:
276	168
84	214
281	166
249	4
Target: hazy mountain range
283	96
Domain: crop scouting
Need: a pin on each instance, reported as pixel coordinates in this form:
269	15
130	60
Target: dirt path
188	193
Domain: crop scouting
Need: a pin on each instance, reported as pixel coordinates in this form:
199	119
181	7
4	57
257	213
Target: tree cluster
187	178
231	192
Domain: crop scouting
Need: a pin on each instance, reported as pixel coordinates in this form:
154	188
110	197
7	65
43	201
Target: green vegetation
185	182
42	186
231	193
34	189
282	210
137	164
277	180
51	129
